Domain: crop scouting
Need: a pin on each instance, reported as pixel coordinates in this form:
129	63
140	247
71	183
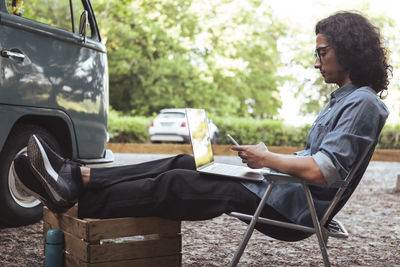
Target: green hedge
129	129
390	137
252	131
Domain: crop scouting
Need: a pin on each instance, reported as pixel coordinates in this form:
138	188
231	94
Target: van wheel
17	206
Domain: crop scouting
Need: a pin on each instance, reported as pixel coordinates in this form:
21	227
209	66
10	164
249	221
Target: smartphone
233	140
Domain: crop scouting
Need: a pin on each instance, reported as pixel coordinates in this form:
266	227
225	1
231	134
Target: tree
213	55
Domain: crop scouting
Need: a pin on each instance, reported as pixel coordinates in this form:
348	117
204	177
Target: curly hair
358	47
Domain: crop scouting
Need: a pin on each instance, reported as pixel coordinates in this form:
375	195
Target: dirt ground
372	217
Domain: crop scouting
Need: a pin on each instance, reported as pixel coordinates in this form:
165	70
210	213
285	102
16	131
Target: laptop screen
200	136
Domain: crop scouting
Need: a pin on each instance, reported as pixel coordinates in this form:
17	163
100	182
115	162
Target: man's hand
252	155
258	156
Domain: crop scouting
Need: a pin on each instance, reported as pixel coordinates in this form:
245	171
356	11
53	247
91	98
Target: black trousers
171	188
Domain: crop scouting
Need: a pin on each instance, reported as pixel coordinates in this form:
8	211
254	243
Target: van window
56	13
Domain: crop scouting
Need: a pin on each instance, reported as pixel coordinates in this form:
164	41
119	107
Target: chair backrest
349	185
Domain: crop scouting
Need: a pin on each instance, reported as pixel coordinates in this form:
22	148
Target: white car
171	126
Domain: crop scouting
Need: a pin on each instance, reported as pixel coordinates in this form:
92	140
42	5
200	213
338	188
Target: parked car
54	83
171	126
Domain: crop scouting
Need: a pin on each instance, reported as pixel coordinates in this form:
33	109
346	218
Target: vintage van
53	82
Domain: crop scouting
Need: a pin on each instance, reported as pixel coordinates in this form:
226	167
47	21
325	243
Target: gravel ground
372	217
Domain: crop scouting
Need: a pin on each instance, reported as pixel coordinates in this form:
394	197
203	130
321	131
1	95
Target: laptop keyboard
227	169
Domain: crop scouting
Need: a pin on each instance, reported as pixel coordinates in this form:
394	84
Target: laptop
203	154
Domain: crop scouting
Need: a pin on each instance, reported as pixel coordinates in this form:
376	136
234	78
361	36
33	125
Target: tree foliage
219	55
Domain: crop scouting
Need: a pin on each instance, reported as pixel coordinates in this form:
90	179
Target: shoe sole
44	201
43	169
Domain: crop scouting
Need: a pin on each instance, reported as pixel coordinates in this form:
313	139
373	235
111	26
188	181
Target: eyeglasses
317	52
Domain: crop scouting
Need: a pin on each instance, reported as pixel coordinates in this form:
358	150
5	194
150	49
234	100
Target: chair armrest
282	178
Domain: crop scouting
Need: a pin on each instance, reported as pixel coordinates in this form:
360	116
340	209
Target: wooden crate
117	242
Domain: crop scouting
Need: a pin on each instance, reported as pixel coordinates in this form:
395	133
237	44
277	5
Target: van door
46	63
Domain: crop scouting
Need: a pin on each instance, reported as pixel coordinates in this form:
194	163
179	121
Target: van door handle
8	53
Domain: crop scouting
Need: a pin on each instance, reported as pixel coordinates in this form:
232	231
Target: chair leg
325	237
317	226
250	227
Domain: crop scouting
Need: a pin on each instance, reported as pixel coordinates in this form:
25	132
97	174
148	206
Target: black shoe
61	178
22	171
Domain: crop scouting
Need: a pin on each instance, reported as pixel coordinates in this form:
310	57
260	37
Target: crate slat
134	250
97	229
105	229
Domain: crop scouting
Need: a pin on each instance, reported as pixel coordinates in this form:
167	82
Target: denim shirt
349	123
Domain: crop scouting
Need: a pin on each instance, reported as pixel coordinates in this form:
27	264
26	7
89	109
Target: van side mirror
83	25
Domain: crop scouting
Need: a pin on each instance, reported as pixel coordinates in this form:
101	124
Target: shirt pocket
321	130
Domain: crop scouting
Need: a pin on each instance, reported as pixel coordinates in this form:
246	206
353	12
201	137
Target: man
348	53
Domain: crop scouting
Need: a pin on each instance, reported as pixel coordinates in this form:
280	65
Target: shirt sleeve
327	168
356	130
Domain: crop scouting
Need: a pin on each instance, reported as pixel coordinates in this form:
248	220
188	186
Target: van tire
19	208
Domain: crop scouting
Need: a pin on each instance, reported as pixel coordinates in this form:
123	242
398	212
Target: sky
304	14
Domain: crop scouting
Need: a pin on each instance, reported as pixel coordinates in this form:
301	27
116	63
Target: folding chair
321	228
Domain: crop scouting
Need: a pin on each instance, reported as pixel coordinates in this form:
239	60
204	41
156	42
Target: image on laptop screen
198	128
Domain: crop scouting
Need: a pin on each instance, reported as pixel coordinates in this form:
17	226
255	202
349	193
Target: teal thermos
54	252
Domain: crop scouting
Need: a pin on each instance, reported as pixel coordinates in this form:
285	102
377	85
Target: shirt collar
343	91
